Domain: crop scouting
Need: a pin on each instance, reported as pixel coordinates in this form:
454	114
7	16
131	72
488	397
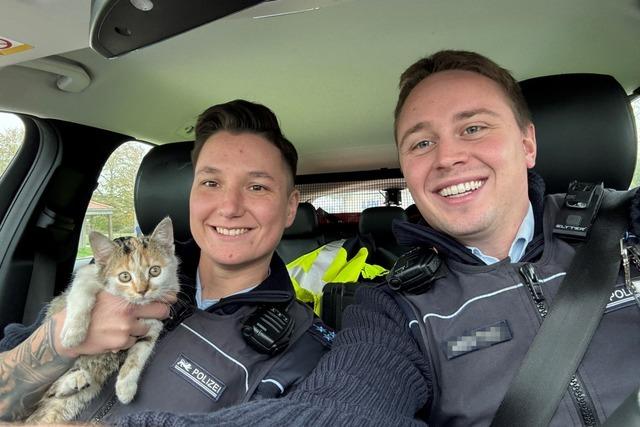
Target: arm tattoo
27	371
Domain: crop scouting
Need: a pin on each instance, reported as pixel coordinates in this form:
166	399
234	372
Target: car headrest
305	223
162	188
377	221
585	130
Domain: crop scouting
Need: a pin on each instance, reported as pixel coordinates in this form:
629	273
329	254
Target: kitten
140	270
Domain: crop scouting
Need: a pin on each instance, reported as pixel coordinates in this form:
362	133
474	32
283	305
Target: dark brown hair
446	60
243	116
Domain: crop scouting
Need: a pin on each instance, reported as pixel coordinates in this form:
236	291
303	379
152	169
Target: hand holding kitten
115	325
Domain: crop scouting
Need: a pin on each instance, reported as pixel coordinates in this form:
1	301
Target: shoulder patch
621	297
322	332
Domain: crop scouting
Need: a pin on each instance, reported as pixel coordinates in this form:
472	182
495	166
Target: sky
8	121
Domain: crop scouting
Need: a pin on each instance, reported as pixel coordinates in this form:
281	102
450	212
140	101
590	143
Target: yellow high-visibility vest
310	272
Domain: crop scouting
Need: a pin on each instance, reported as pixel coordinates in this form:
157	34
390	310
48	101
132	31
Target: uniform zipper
581	398
104	410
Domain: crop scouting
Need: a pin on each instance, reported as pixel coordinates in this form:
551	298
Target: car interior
86	77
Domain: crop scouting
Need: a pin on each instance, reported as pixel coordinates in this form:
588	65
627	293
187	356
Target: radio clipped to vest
268	329
415	271
580	208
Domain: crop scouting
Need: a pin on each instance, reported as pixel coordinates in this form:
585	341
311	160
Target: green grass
84	252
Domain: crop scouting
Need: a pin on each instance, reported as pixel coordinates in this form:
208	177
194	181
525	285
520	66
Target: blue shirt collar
523	237
206	303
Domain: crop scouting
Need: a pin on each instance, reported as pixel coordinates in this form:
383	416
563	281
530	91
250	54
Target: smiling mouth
462	189
231	231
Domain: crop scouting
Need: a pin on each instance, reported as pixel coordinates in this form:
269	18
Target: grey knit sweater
375	375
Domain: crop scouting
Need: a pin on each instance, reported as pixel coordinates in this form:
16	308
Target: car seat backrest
162	188
303	236
375	230
585	130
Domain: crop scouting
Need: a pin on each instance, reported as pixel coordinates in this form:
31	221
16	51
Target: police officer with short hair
243	334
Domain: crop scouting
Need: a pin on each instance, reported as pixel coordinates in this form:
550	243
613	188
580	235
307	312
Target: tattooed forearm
27	371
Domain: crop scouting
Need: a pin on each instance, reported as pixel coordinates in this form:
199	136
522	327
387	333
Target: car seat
162	189
303	236
585	130
376	233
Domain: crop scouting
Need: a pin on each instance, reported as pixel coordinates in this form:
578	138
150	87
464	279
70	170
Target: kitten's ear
102	247
163	233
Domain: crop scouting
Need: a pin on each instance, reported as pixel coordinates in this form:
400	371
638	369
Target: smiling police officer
243	335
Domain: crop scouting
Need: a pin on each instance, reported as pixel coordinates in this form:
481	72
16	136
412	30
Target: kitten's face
139	269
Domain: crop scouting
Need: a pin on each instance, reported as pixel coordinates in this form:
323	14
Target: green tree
11	138
116	186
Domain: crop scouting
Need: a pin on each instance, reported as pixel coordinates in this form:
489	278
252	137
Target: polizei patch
199	377
621	297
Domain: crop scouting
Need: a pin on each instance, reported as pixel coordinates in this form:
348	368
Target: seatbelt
41	286
557	349
627	414
53	230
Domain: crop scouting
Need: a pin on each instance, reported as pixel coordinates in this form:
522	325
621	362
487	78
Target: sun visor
121	26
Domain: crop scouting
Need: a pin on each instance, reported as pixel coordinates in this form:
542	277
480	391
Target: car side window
11	138
635	105
111	210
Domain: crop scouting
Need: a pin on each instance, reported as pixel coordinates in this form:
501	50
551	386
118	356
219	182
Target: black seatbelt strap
627	414
41	286
556	351
53	232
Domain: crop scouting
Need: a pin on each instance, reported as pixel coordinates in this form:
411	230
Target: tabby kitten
140	270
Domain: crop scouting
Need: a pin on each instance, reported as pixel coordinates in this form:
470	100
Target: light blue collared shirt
523	237
204	304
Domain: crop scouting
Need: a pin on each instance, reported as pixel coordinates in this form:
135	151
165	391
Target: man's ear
529	145
292	206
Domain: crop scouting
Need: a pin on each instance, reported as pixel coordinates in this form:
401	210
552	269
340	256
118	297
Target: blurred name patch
477	339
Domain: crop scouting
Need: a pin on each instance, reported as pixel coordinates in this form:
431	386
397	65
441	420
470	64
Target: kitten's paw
72	336
126	389
73	382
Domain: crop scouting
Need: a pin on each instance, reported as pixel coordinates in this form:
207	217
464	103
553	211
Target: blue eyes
473	129
423	145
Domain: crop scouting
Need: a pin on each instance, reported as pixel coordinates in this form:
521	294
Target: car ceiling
328	68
